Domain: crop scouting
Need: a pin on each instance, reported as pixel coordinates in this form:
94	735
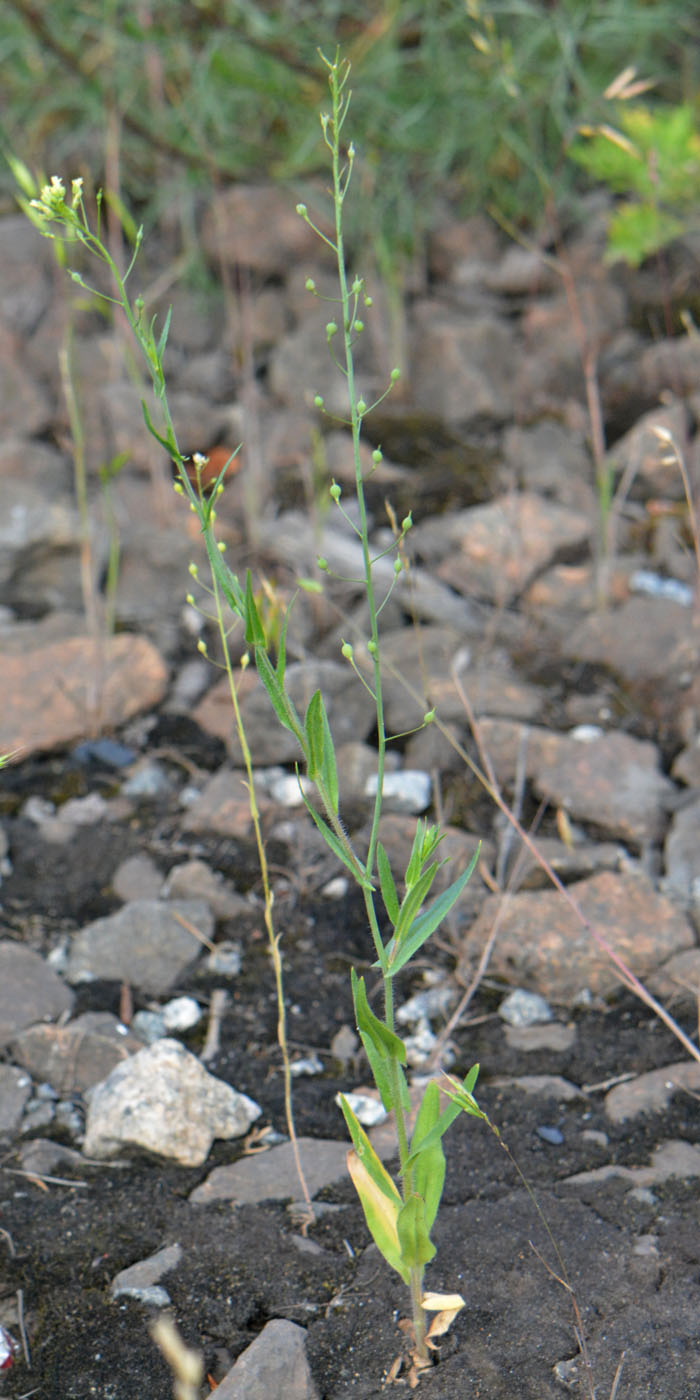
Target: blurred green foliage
654	157
479	98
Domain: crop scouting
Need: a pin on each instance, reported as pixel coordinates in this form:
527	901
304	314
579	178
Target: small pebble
149	1026
108	752
148	781
521	1008
225	959
367	1109
554	1136
181	1014
309	1066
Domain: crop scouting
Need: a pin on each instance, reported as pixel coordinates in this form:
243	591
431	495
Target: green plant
400	1217
652	159
476	97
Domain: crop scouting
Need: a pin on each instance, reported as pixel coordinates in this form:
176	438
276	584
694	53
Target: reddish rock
542	945
57	693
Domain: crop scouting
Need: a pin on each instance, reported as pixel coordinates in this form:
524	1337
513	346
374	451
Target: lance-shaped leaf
429	1163
254	630
320	754
426	923
279	699
378	1194
417	1248
381	1047
462	1101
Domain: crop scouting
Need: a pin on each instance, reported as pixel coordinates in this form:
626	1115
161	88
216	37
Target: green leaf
429	1166
449	1114
386	1042
386	884
378	1195
254	630
415	860
412	902
279	699
425	924
320	754
637	231
163	340
416	1246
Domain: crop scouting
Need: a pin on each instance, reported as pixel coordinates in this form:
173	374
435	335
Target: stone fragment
645	460
257	226
549	1086
26	268
54	694
141	1280
460	366
521	1008
194	879
137	878
274	1365
651	1092
549	458
543	945
223	805
644	640
677	982
22	398
686	764
15	1088
163	1101
502	545
272	1175
148	943
29	990
405	791
553	1036
610	780
682	854
71	1058
669	1159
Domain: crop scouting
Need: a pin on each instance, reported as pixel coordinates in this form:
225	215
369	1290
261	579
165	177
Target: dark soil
536	1263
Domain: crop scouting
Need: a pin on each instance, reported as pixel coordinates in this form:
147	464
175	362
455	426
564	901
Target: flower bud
377	456
347	651
310	284
372	647
395	374
318	400
322	564
335	492
407	523
361	407
301	211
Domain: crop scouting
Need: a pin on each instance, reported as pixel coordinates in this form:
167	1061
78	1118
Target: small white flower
77	190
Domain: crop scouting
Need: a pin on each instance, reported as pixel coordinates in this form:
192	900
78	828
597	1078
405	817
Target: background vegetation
161	99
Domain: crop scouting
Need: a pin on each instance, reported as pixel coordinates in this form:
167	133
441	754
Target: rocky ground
144	1161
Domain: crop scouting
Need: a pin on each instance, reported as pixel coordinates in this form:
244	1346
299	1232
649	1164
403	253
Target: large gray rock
148	943
29	990
273	1367
162	1100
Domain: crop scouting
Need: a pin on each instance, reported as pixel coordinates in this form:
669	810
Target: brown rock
505	543
257	226
73	1057
542	945
57	693
610	780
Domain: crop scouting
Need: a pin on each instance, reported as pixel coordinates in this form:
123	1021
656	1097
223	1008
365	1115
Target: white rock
163	1101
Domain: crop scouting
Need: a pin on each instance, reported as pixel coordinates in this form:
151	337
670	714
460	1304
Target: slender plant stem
341	179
